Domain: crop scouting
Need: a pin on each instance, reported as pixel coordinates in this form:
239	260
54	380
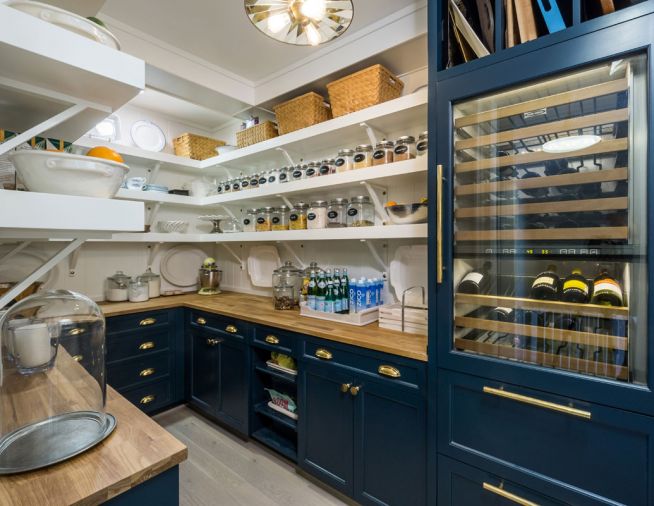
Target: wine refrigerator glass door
549	256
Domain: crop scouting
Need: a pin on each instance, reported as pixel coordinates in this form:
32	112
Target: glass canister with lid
422	144
227	186
317	215
254	181
297	173
263	178
245	182
337	213
405	148
363	156
327	167
250	220
138	290
117	286
236	185
273	176
279	218
284	174
298	216
264	219
287	286
311	170
383	153
345	160
360	212
154	282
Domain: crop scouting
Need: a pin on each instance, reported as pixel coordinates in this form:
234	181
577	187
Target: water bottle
372	283
353	295
361	295
380	299
368	283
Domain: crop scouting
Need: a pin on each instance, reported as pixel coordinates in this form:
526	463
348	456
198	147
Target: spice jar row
336	213
365	155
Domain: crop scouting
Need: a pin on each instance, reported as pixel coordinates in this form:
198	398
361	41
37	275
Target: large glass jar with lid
297	218
280	218
138	290
254	181
327	167
360	212
345	160
273	176
117	286
264	219
337	213
317	215
154	282
250	220
383	153
52	380
405	148
312	169
363	156
284	175
289	275
297	173
423	143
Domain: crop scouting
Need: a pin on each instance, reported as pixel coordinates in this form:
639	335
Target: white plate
22	264
148	136
407	269
262	261
180	265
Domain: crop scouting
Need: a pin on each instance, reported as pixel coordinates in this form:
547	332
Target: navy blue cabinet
204	371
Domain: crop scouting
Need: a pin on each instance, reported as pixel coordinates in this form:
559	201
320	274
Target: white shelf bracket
288	157
227	210
375	254
293	254
38	273
153	213
154	249
72	262
373	133
20	247
41	127
240	261
286	201
154	173
379	207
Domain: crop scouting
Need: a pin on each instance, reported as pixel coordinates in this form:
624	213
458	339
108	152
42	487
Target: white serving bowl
66	174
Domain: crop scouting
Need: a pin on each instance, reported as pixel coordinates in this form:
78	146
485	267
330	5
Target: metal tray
53	440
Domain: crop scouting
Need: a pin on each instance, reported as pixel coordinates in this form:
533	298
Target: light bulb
313	35
570	143
277	22
314	9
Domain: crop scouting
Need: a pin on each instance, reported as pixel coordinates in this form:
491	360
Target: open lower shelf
289	378
265	410
277	442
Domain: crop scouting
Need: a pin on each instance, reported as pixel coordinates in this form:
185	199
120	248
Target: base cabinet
205	373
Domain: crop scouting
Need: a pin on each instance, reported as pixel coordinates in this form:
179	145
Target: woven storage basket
362	89
257	133
195	146
301	112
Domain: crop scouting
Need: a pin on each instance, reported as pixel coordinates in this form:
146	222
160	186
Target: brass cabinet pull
147	321
147	372
324	354
77	358
201	321
213	342
272	339
345	387
147	399
508	495
388	370
354	390
148	345
538	402
439	224
231	329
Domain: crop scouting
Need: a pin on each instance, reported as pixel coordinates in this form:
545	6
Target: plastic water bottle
361	295
372	283
368	293
378	290
353	295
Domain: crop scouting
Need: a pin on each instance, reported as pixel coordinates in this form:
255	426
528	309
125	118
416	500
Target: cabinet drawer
590	447
275	339
137	344
380	365
133	371
152	397
137	321
223	324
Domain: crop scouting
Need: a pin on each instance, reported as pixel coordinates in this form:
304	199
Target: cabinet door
234	392
325	431
205	372
390	445
546	177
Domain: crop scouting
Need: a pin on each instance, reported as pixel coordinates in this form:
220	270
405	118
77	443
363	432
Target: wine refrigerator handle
439	224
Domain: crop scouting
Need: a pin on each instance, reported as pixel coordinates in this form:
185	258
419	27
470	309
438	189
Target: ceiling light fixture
301	22
571	143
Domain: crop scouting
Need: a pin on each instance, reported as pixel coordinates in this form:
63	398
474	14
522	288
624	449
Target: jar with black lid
422	144
383	153
327	167
236	185
245	182
298	216
284	174
337	213
312	170
263	178
254	181
405	148
345	160
363	156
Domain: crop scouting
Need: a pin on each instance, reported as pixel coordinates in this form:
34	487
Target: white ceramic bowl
66	174
172	226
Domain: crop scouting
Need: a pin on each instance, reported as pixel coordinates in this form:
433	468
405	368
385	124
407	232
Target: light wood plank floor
223	470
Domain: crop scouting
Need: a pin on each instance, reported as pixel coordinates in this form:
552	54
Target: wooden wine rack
553	234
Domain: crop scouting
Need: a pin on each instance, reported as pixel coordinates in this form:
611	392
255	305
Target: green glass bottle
311	292
321	292
345	293
329	297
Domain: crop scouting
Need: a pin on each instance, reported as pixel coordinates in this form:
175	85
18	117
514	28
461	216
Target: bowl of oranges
98	173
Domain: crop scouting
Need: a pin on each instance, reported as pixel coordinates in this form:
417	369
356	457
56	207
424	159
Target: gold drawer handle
345	387
387	370
324	354
272	339
147	321
201	321
77	358
213	342
508	495
148	345
231	329
147	372
538	402
354	391
76	331
147	399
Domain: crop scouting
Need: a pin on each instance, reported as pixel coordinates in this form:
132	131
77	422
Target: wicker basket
195	146
257	133
301	112
362	89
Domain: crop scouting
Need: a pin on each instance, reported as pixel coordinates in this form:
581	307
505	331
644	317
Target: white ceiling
219	31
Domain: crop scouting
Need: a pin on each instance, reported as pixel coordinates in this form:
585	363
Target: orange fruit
106	153
391	203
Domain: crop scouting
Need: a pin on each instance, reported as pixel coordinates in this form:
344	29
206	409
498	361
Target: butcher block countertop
257	309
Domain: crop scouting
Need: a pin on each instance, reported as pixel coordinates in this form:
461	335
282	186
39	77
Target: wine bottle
606	290
547	285
554	167
476	281
501	314
576	288
534	192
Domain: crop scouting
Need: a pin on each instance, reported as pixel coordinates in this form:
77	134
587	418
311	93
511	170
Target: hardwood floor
223	470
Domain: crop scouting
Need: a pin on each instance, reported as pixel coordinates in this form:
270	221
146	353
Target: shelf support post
20	247
292	252
375	254
240	261
154	173
227	210
287	156
379	207
38	273
286	201
153	213
372	133
72	262
154	249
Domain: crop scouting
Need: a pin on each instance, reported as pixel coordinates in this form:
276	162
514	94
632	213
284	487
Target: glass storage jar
317	215
117	286
326	167
279	218
360	212
254	181
337	213
250	220
264	219
263	178
138	291
236	185
383	153
227	186
273	176
298	216
289	276
363	156
245	182
297	173
345	160
220	187
154	282
284	297
405	148
311	170
284	175
422	144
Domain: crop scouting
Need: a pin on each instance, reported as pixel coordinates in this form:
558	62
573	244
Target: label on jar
332	215
401	149
352	212
276	220
272	179
311	216
294	217
262	180
227	187
378	155
283	176
247	221
254	182
245	184
311	172
360	157
421	146
297	174
261	221
340	162
219	189
236	187
324	170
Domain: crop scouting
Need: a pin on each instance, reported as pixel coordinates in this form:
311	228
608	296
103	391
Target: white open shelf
355	233
379	175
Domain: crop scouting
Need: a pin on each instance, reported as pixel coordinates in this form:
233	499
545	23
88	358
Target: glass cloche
52	380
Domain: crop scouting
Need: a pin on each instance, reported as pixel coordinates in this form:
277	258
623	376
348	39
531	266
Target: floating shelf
265	410
289	378
277	442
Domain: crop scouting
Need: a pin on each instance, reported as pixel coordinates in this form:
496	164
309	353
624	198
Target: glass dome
52	380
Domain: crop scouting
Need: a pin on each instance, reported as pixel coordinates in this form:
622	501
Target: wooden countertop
259	309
